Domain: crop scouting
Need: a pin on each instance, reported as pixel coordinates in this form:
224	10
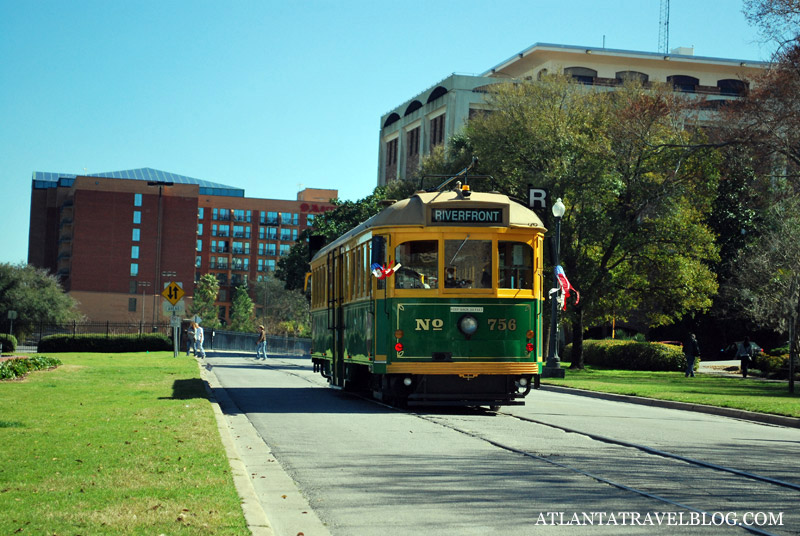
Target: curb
271	502
764	418
254	514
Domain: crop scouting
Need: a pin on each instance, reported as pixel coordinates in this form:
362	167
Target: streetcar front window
516	265
419	262
468	263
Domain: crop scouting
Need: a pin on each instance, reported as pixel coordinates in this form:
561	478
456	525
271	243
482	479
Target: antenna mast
663	28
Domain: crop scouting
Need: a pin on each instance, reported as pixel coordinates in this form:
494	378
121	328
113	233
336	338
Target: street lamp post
552	368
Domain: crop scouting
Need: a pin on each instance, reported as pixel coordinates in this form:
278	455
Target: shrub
147	342
19	367
631	355
9	342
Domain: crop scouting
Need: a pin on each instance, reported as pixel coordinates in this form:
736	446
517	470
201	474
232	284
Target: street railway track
656	453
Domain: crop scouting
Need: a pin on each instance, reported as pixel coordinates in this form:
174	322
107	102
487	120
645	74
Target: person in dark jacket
745	352
691	350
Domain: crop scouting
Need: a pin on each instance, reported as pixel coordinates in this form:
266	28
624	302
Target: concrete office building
415	127
116	239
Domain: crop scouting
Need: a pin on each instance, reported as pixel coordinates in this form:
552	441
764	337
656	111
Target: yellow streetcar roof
414	212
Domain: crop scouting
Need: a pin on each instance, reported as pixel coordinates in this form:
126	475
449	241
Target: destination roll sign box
470	216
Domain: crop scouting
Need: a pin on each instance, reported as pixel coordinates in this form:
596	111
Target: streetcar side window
420	263
468	263
516	265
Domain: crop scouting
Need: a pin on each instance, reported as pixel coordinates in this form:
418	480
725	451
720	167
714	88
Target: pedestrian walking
198	340
745	352
261	344
691	350
190	339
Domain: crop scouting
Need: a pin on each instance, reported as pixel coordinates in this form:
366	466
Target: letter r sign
537	198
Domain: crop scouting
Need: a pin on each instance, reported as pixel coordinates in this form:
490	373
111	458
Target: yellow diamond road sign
173	293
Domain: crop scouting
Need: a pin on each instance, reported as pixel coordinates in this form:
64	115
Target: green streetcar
436	300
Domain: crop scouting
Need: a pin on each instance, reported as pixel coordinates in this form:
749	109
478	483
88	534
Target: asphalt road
355	467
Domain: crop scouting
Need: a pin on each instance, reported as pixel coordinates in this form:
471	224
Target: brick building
116	239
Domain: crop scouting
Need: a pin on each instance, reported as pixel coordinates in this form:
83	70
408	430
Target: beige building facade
413	129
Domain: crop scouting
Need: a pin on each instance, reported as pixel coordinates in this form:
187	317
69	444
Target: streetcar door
336	267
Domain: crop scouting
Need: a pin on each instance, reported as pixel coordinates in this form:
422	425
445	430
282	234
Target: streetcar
435	300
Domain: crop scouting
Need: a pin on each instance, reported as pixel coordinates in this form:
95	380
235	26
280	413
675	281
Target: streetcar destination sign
467	215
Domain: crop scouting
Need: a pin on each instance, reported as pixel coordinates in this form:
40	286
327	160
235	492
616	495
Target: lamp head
558	208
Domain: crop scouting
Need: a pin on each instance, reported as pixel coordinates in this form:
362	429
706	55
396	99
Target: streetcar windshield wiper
458	251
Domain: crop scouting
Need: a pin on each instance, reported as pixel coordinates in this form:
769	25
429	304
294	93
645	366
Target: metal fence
215	339
246	342
117	329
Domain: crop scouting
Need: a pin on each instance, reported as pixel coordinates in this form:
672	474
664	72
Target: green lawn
731	392
114	444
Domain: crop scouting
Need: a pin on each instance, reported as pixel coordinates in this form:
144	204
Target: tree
768	281
778	20
282	308
636	183
203	301
242	311
35	295
330	225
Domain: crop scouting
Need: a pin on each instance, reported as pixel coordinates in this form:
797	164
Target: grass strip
749	394
114	444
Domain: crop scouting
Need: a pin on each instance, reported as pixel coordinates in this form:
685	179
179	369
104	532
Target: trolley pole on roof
552	368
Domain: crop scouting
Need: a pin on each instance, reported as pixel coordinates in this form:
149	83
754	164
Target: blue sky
272	96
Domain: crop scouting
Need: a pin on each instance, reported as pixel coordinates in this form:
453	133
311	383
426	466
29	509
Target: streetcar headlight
522	382
407	381
468	325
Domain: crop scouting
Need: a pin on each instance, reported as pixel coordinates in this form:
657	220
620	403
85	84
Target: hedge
631	355
9	342
20	366
147	342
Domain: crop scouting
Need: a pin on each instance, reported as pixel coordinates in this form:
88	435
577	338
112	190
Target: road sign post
173	293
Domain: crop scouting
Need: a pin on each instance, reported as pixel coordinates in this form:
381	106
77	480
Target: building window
391	152
412	140
284	249
137	200
134	252
632	76
686	84
137	216
272	218
199	228
310	220
131	305
241	231
732	87
200	245
198	261
286	234
242	215
200	212
437	130
135	236
134	269
582	75
132	287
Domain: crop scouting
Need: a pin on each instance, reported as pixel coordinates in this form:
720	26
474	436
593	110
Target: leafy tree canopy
637	184
35	295
203	301
242	311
